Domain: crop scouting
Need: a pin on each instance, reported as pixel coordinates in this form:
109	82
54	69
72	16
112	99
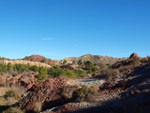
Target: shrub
41	77
37	107
11	94
43	61
79	62
102	66
82	94
55	71
80	73
13	110
42	70
90	67
64	62
34	68
58	71
67	92
8	94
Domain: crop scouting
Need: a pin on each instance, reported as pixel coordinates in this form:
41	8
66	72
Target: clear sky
63	28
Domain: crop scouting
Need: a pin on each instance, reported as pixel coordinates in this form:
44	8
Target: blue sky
62	28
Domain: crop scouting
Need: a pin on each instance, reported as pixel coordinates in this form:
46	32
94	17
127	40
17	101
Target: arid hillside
121	87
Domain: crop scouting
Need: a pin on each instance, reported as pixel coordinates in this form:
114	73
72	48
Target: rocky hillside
95	59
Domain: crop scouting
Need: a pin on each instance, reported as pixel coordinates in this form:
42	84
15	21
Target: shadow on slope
134	99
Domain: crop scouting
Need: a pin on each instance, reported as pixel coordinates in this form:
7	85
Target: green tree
44	60
64	62
90	67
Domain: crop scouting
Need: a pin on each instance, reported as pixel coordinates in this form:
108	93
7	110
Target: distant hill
95	59
38	58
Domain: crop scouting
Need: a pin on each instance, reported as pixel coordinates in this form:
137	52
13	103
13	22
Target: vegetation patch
13	110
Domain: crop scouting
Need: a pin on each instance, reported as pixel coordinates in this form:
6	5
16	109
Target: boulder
134	55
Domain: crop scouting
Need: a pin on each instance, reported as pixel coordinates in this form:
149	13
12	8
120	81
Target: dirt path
90	82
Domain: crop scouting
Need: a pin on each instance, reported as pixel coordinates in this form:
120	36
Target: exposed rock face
46	93
134	55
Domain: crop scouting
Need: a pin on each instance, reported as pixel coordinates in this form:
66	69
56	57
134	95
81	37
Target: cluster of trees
19	68
43	71
90	67
58	71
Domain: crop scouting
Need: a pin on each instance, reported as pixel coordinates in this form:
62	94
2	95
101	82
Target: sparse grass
3	101
13	110
8	96
3	90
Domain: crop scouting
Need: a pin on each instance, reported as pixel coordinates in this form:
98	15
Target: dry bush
108	73
83	94
67	92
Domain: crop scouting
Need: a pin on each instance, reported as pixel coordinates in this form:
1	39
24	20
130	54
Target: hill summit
38	58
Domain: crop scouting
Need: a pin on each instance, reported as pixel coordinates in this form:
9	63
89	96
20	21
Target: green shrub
13	110
80	73
58	71
41	77
54	71
12	94
34	68
44	60
64	62
8	94
90	67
